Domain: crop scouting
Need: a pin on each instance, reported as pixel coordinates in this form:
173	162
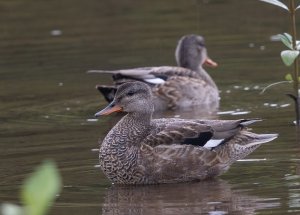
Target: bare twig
273	84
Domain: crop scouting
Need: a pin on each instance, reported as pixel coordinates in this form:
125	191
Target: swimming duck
187	85
142	150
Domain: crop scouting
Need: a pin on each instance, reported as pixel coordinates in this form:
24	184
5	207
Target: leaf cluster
38	192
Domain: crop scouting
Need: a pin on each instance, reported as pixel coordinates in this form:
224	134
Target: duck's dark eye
201	44
130	93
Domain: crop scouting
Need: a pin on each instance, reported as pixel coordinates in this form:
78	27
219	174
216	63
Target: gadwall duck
142	150
187	85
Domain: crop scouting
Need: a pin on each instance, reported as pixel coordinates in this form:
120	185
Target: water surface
47	99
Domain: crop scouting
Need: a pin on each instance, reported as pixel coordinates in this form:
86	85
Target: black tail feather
107	91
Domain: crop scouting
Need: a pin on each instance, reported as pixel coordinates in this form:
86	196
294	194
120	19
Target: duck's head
131	97
192	54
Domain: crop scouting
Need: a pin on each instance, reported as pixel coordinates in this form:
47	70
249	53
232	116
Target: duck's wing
173	161
151	75
173	131
226	128
205	133
163	78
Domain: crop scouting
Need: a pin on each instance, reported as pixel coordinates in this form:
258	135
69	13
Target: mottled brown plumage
185	86
142	150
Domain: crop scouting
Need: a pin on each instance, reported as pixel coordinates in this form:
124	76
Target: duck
140	150
180	87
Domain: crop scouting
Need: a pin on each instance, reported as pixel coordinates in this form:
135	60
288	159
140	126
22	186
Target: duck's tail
258	139
241	145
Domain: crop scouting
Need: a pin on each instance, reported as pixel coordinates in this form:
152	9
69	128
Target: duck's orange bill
111	108
209	62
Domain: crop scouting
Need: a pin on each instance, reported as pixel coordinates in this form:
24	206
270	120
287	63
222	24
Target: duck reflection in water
207	197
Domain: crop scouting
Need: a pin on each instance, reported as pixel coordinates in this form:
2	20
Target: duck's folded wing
227	128
205	133
168	71
179	132
152	75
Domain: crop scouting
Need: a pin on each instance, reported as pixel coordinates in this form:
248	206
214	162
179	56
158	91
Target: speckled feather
187	85
142	150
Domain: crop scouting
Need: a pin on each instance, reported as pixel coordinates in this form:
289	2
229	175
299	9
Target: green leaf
277	3
289	37
41	188
288	77
288	56
286	39
298	44
11	209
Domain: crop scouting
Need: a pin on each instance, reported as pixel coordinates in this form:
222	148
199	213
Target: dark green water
47	99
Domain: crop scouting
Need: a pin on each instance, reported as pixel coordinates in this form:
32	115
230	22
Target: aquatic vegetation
38	192
291	55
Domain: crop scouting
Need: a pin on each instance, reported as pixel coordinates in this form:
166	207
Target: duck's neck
183	60
205	76
132	129
141	118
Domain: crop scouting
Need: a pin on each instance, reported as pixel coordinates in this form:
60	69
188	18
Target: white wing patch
154	80
213	143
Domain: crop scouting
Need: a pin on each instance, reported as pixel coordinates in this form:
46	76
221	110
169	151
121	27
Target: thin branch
271	85
296	73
